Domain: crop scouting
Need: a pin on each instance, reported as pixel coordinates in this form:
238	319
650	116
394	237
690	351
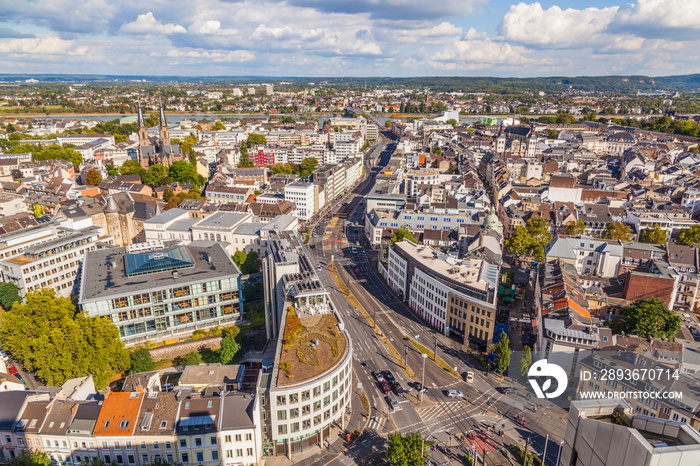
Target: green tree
575	228
553	134
131	167
502	350
653	235
244	161
283	168
168	194
30	458
9	295
141	361
229	348
400	235
56	342
617	231
520	243
650	318
689	236
186	144
252	263
157	175
184	172
218	126
525	361
307	166
239	258
231	332
93	177
388	124
189	359
565	118
539	230
407	450
256	139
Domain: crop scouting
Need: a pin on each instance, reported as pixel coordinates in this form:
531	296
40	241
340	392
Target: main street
439	418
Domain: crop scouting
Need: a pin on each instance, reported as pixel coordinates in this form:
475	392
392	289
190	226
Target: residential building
303	196
240	429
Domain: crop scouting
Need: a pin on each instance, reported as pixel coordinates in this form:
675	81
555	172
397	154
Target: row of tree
304	169
181	171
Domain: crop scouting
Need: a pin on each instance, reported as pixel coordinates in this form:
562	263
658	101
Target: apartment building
55	263
303	196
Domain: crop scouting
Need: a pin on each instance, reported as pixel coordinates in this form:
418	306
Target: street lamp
544	453
561	444
422	384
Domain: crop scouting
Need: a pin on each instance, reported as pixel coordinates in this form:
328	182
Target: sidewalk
336	444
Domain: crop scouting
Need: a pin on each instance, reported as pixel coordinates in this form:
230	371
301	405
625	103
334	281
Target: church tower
141	131
164	133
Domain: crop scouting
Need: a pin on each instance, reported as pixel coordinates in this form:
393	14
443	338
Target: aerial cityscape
333	233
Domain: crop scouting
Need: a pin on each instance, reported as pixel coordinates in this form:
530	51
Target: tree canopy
400	235
307	166
649	318
244	161
184	172
30	458
252	263
239	258
56	342
617	231
9	295
576	228
502	350
256	139
141	361
653	235
52	152
525	361
93	177
689	236
407	450
530	240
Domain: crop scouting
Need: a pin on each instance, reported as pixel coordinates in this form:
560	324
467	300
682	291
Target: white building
302	195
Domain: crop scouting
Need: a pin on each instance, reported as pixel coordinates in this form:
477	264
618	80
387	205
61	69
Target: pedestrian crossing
434	412
376	423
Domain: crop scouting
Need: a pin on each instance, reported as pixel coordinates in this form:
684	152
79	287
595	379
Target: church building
156	149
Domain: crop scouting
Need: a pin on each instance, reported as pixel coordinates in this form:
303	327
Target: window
130	459
185	457
124	424
183	443
281	400
143	444
156	445
200	456
227	439
249	437
282	429
119	459
282	415
239	453
168	446
238	437
108	459
249	452
215	455
212	440
197	442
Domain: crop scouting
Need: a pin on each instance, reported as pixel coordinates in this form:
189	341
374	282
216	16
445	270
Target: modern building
153	292
303	196
54	263
455	296
607	432
301	397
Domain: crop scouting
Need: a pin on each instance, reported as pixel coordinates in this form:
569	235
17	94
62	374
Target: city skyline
365	38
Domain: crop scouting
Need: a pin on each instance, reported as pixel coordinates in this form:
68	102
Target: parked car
12	370
357	243
455	394
357	271
378	375
508	390
470	377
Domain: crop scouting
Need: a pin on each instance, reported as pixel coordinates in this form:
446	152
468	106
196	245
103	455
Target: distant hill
623	84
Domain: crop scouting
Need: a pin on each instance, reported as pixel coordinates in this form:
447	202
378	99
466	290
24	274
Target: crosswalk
435	412
376	424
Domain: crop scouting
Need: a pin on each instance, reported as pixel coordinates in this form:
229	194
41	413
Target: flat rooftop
104	274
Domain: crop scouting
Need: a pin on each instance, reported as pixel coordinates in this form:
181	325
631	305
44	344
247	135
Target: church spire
164	133
141	127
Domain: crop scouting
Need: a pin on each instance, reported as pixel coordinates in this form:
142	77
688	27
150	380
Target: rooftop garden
311	346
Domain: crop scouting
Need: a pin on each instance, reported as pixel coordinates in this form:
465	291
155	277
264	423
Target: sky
350	37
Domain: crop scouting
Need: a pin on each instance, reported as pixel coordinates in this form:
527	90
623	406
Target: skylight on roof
157	261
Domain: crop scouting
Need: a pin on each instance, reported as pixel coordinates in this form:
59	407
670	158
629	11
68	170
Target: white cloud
475	48
207	27
554	27
43	45
425	35
666	13
148	25
263	32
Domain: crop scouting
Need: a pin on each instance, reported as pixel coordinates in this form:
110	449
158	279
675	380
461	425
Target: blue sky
350	37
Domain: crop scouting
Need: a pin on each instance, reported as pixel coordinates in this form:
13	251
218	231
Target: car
12	370
357	271
455	394
167	387
508	390
318	267
389	376
393	402
470	377
378	375
386	388
354	250
419	387
357	243
313	246
314	235
398	389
